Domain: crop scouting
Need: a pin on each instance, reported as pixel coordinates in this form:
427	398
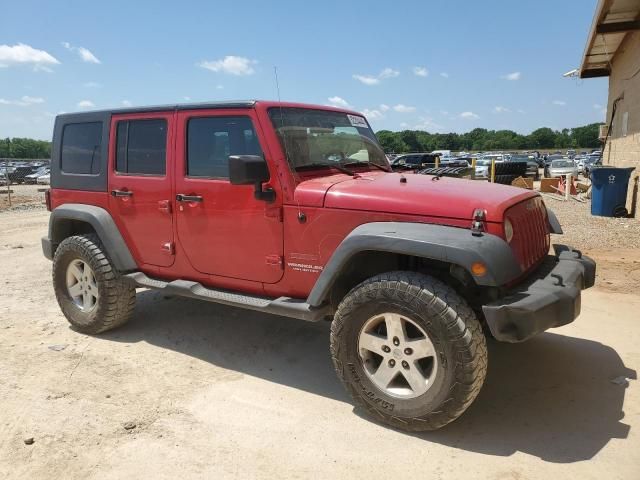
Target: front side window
314	138
211	140
141	147
81	148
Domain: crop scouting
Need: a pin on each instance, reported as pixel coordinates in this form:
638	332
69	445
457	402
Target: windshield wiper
337	166
367	163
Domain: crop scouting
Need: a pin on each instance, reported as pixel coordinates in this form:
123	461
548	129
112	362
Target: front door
222	228
141	147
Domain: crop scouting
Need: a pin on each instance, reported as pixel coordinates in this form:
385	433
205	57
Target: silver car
563	167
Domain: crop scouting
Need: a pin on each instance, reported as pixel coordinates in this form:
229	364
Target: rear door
140	183
223	229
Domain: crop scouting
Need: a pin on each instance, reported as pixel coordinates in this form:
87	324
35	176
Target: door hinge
275	260
168	247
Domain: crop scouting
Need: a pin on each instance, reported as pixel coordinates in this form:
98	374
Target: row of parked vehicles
16	173
553	165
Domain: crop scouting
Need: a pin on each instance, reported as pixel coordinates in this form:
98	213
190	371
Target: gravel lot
196	390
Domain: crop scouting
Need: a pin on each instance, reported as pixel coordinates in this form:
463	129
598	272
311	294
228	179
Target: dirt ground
215	392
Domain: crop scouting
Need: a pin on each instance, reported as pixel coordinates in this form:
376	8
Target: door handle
188	198
121	193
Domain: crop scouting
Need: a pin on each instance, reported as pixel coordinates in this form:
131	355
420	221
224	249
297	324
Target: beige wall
624	151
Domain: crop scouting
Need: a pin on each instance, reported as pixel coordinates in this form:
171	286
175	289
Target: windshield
324	138
561	164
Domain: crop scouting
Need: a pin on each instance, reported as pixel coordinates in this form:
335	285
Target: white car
559	168
43	179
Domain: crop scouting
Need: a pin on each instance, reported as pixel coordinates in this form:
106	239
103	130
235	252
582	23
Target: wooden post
493	171
437	161
473	168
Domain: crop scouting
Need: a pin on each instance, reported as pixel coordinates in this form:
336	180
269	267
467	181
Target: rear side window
81	148
211	140
141	147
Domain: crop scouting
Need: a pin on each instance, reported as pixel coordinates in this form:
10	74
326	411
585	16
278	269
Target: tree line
481	139
478	139
24	148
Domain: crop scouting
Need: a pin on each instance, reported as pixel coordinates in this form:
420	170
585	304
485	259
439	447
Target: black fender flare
554	223
104	226
438	242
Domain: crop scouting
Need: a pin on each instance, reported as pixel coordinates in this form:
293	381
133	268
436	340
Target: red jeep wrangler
293	210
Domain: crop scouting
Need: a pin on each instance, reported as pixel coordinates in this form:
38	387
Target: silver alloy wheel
397	355
82	286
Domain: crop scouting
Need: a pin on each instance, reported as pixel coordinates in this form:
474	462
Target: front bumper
549	298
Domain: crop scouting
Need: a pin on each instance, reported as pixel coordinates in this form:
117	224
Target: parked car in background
33	178
413	161
456	162
549	159
483	166
19	174
589	162
43	179
562	167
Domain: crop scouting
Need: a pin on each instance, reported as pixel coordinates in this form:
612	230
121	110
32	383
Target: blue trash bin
609	191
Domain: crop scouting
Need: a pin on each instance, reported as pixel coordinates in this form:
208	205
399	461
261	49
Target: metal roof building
613	50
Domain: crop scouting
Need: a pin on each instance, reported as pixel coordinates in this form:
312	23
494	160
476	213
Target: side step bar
285	306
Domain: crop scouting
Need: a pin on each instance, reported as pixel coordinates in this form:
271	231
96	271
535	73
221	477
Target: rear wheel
409	350
91	293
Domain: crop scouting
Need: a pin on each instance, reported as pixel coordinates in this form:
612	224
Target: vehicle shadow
551	397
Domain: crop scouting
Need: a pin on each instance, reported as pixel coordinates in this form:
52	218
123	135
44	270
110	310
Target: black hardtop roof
164	108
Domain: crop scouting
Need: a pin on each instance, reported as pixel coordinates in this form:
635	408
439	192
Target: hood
419	195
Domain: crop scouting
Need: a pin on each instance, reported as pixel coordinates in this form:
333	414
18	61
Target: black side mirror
251	169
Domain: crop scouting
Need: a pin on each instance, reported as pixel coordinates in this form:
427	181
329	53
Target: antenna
275	73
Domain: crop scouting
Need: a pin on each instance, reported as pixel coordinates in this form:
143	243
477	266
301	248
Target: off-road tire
505	179
453	329
117	296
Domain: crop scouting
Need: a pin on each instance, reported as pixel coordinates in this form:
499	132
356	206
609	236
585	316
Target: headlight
508	230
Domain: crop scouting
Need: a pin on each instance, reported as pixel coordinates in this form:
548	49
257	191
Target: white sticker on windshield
357	121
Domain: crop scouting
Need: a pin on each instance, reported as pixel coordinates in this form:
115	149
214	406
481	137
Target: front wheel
409	350
91	293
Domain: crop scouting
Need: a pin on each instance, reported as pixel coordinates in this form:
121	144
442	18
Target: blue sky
434	65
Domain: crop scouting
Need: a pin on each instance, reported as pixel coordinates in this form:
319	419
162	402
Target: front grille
531	239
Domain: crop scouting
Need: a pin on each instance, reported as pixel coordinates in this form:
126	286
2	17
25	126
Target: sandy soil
216	392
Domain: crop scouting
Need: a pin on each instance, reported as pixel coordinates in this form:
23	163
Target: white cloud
85	53
444	74
85	104
25	101
420	71
560	103
125	103
597	106
401	108
22	54
375	80
92	85
384	107
30	100
469	116
338	102
512	76
500	109
367	80
426	124
388	73
373	114
231	65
